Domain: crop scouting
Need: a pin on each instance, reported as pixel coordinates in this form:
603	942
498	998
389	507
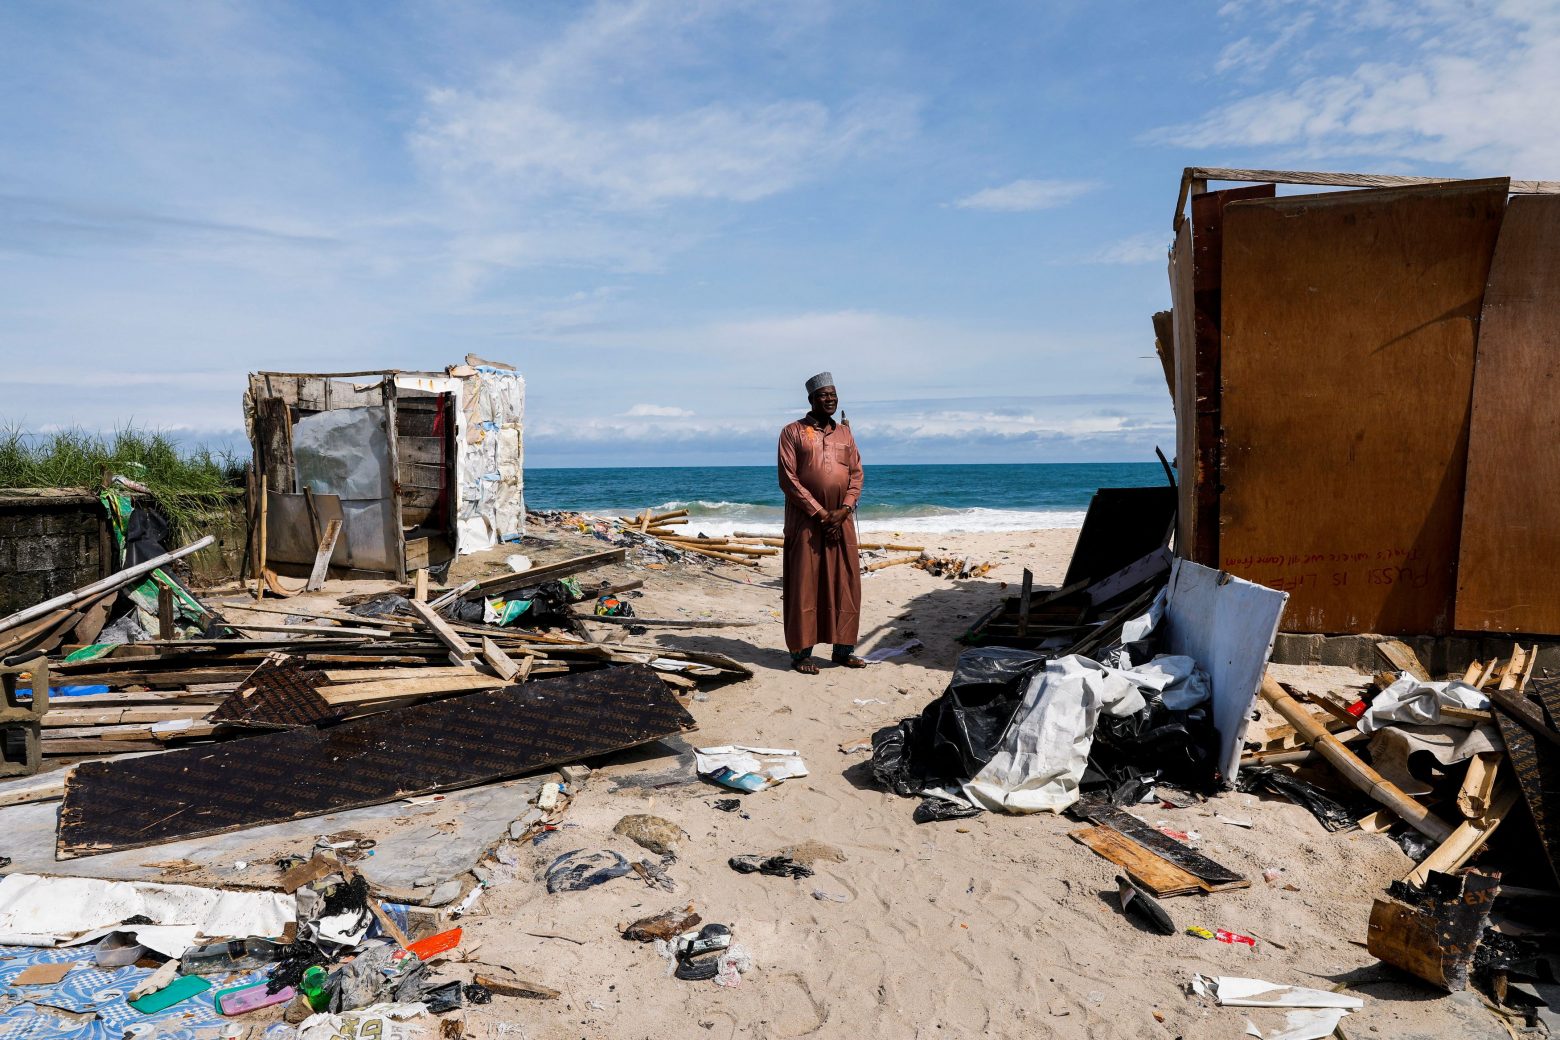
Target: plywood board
1207	279
1158	875
299	773
1349	323
1509	563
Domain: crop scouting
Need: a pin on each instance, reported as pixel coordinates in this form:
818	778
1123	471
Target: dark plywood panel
1349	324
279	694
1207	261
1508	577
1122	526
1536	761
1160	844
298	773
1184	336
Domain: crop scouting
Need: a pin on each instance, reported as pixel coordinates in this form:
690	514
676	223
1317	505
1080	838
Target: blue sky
669	214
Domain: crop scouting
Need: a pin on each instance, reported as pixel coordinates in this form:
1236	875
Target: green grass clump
189	487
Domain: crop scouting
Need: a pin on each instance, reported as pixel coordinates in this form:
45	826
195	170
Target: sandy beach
994	926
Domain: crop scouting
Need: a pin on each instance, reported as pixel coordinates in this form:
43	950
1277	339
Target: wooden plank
1154	873
459	649
420	585
1435	941
323	554
1349	180
1207	280
1212	876
391	689
1402	657
1347	373
357	675
548	572
1509	562
498	660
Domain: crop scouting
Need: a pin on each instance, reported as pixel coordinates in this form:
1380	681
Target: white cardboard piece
63	911
1227	625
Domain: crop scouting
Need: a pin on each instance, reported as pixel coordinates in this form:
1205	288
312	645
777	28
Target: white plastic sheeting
1420	703
63	911
492	494
1042	756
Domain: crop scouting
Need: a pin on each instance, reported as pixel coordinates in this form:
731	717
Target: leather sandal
807	666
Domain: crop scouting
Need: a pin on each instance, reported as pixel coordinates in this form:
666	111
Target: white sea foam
951	522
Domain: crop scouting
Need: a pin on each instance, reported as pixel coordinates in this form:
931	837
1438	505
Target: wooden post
165	628
1023	602
420	585
265	486
322	555
1346	762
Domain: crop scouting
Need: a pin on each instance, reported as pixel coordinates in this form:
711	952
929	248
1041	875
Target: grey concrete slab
418	845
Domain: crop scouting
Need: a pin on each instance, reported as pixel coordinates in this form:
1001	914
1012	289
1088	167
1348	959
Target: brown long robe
820	470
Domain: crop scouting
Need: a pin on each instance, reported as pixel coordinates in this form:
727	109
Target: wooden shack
415	466
1365	384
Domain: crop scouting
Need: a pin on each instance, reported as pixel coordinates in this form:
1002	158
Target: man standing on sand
820	473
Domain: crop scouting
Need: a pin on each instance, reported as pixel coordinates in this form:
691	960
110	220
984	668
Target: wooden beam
393	689
1349	180
109	584
459	649
548	572
498	660
1402	657
323	554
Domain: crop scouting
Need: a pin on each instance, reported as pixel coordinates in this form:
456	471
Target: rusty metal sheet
1207	264
1508	571
276	695
298	773
1349	322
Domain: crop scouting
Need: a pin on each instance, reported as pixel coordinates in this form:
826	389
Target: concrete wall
49	544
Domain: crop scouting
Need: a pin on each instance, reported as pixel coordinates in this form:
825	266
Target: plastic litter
578	869
746	768
774	866
933	809
1142	907
1235	991
662	926
1328	811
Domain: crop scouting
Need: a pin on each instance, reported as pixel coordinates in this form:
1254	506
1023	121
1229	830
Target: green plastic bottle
313	988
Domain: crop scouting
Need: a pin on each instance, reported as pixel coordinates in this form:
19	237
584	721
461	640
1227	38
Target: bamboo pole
777	543
889	563
749	550
728	557
1459	847
891	546
1346	762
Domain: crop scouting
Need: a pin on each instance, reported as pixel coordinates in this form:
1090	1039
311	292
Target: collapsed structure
1363	386
415	466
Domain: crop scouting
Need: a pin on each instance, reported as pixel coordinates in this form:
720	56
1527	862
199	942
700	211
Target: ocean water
724	499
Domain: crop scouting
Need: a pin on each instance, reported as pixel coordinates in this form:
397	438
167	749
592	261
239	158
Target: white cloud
1145	248
572	121
659	411
1469	84
1023	196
